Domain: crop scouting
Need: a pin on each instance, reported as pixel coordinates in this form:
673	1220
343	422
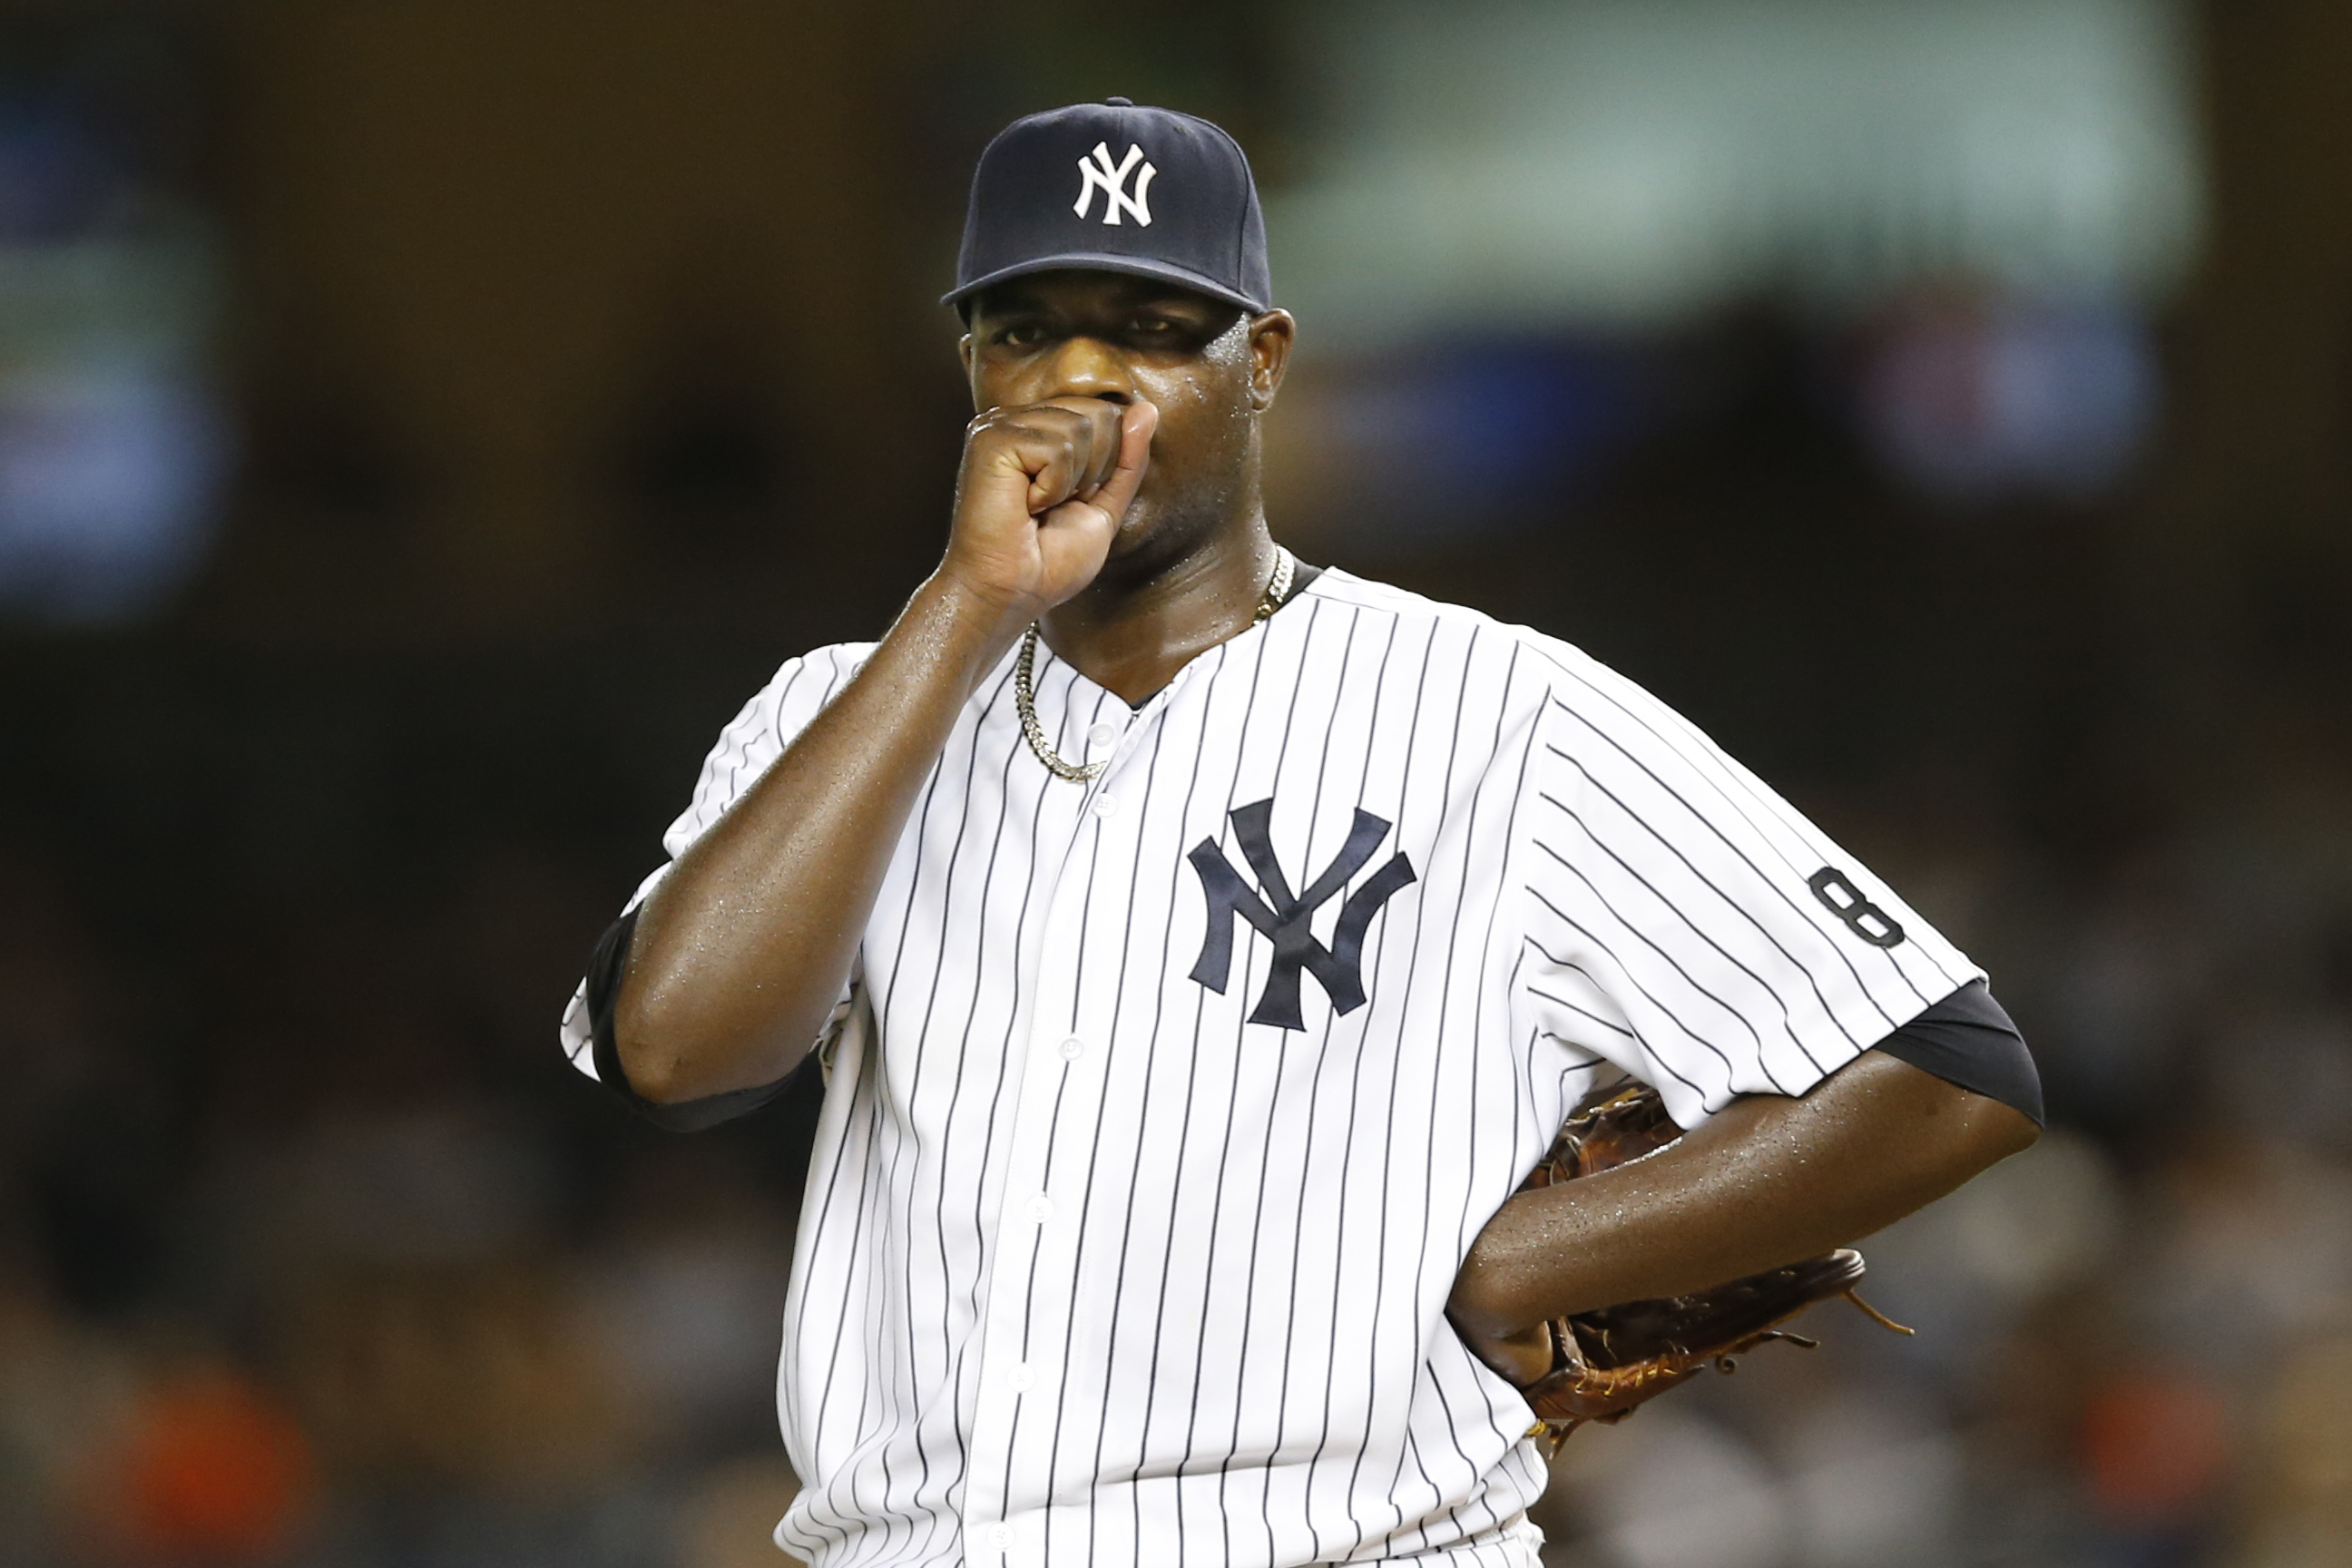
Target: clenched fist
1040	496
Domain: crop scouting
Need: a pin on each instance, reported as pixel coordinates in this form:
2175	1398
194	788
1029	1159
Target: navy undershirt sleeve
1968	1039
805	1082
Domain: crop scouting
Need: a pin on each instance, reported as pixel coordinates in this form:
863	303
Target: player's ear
1271	336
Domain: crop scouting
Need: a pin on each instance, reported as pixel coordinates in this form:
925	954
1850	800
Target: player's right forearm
741	952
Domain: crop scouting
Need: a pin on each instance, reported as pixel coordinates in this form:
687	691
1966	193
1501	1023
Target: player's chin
1151	541
1144	524
1166	517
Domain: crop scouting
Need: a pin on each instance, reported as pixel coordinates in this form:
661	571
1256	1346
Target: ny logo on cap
1282	916
1112	181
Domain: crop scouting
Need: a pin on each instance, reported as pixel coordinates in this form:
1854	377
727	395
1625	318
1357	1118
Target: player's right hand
1040	496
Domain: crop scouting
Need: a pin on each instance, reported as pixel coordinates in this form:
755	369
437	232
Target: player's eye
1022	335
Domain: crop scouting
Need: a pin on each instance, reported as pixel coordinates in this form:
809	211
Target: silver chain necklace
1025	695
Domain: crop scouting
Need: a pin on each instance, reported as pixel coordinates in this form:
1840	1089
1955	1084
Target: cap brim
1099	261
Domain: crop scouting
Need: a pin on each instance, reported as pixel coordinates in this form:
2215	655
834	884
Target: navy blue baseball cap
1117	187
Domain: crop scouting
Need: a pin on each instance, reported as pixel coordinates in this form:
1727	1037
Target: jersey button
1000	1536
1101	735
1020	1380
1073	1049
1104	804
1041	1209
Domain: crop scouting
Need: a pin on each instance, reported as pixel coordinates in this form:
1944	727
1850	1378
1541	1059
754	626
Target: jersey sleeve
1686	924
747	747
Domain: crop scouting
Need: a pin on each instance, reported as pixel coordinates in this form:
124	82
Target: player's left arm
1765	1181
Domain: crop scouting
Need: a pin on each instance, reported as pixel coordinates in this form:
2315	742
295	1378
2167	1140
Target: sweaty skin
1765	1181
1109	485
1110	490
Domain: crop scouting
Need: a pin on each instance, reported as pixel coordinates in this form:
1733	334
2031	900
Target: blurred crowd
313	1251
312	1248
2134	1341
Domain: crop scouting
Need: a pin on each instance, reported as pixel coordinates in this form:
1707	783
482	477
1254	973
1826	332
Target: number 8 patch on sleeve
1843	899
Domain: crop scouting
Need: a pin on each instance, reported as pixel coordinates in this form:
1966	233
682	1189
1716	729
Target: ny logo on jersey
1283	919
1100	174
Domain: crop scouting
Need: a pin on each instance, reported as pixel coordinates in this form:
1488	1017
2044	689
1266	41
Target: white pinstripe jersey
1138	1195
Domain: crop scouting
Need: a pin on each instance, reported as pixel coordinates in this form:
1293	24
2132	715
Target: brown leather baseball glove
1606	1362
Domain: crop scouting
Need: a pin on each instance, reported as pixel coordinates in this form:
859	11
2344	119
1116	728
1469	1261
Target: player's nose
1089	367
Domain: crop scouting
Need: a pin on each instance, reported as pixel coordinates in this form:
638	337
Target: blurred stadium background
423	421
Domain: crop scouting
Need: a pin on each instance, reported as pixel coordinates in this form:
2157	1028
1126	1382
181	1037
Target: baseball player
1199	949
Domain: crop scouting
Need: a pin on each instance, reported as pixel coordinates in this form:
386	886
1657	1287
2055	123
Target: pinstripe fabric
1091	1269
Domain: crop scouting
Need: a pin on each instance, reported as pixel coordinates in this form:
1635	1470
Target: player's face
1210	368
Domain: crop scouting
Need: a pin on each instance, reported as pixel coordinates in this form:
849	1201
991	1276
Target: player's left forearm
1765	1182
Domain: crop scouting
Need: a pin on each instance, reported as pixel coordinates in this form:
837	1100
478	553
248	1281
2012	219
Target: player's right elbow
654	1075
654	1053
673	1060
